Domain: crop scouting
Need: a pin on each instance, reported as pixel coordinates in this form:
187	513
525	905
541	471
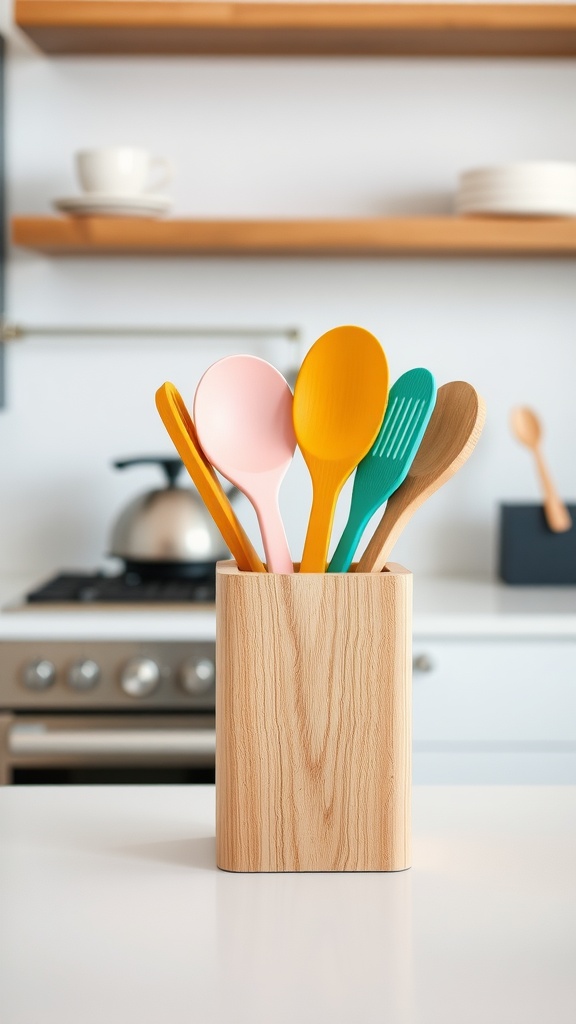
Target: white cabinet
494	692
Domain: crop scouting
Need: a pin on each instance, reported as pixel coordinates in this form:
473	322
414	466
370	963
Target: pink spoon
243	414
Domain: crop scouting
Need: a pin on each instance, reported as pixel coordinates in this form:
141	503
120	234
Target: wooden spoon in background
451	436
526	428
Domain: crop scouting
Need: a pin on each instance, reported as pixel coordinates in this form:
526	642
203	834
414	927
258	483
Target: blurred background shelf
426	236
164	27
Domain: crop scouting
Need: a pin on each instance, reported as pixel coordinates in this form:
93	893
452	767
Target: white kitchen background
276	137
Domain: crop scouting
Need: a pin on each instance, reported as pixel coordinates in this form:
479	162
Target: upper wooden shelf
398	236
213	27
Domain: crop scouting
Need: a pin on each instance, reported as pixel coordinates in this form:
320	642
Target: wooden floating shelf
405	29
401	236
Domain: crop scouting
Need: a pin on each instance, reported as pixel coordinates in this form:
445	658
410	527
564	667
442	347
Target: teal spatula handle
349	541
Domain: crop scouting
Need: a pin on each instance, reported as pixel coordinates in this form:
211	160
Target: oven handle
26	741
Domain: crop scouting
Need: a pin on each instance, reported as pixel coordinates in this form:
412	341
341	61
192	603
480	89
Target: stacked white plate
535	189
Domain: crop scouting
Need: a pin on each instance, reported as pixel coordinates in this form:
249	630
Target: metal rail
10	332
18	332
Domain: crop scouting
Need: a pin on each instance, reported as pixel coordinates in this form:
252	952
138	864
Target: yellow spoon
180	426
340	399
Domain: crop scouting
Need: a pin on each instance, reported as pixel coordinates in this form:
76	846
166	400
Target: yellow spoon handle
315	554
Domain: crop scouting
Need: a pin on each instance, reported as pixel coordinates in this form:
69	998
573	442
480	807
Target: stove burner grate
127	588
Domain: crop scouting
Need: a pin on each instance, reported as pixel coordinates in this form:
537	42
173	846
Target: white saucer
102	205
519	205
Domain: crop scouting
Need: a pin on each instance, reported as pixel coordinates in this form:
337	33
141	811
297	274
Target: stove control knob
39	675
83	675
140	677
197	676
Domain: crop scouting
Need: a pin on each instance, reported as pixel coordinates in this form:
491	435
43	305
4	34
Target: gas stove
108	672
129	587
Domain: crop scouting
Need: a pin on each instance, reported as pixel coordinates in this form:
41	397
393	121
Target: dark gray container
530	553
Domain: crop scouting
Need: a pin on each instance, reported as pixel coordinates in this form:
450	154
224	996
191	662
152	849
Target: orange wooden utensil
450	438
180	426
339	403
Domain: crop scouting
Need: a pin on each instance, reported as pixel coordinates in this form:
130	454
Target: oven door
102	748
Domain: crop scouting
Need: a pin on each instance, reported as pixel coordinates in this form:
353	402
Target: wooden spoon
339	404
243	413
180	426
526	428
451	436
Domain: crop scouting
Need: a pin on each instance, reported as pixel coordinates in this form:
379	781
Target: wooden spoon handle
557	515
396	515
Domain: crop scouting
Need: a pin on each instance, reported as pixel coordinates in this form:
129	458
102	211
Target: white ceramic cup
121	171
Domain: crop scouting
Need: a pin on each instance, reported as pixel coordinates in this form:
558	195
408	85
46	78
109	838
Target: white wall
265	138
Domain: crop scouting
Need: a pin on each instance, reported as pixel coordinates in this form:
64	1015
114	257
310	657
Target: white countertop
449	606
113	912
455	606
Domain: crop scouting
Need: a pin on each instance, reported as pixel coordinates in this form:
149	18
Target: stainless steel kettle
167	532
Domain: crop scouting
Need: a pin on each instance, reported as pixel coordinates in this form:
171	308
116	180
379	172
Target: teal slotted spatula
383	469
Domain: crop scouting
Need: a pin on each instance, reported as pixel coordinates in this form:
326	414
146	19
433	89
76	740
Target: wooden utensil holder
313	720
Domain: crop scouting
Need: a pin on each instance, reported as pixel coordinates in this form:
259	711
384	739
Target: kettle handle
170	466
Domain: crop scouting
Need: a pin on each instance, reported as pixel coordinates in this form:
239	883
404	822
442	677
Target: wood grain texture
397	236
313	721
164	26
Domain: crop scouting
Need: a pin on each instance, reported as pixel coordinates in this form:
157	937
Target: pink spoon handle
262	491
278	558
